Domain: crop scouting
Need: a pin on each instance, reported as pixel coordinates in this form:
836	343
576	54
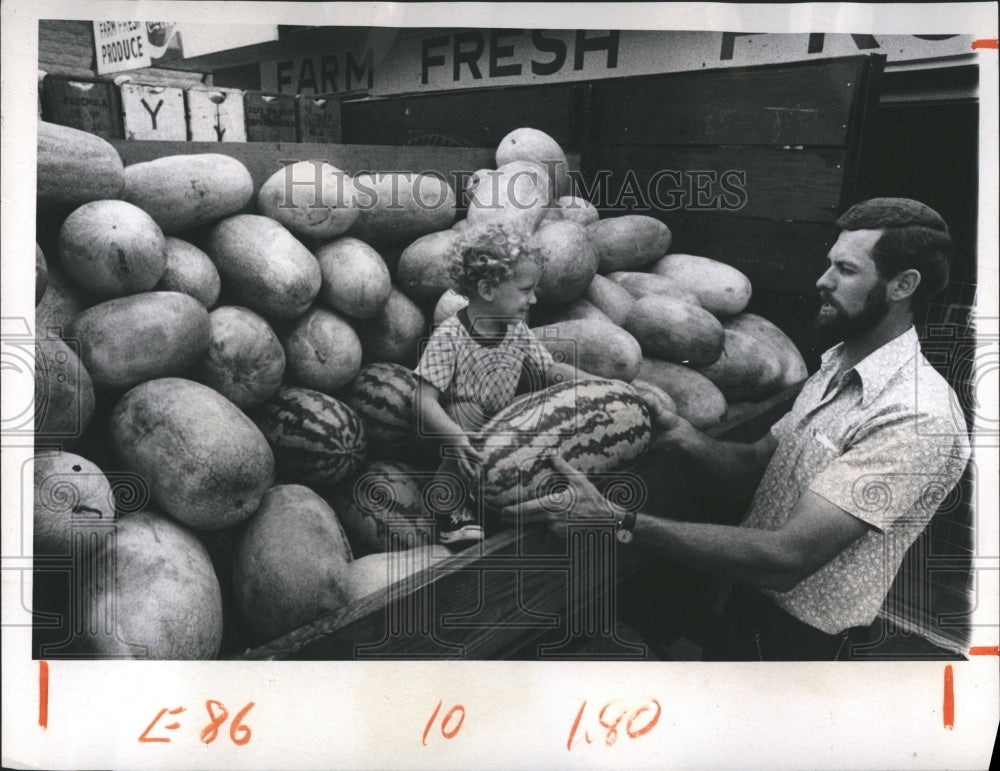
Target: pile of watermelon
228	373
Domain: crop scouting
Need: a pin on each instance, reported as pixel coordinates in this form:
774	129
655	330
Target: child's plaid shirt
470	373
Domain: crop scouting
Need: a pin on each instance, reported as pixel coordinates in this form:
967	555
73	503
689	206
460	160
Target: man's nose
826	281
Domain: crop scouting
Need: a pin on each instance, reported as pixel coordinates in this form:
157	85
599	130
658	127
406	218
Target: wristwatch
624	526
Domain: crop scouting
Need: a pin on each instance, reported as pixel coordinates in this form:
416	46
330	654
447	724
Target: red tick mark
43	694
948	709
985	650
990	42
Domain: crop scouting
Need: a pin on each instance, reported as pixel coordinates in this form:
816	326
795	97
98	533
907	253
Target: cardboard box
89	105
269	117
216	115
319	118
153	112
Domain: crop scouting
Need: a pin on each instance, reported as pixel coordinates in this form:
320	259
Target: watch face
624	536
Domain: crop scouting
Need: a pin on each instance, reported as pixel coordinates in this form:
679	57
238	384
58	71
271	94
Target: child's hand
468	457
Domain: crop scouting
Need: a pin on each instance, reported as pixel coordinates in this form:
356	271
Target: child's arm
553	372
560	372
432	418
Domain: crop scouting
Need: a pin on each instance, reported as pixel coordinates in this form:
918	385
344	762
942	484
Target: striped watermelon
316	438
596	425
382	394
382	508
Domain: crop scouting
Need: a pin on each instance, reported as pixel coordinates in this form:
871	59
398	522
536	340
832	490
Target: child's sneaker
459	525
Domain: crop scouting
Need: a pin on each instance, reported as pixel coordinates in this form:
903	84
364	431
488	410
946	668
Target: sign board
153	112
443	59
120	46
131	45
216	115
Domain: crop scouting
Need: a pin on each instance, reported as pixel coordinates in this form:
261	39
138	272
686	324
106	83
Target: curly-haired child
478	360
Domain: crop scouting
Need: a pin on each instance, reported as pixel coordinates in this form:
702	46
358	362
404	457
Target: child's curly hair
489	253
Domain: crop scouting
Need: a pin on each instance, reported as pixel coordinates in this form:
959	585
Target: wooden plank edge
375	600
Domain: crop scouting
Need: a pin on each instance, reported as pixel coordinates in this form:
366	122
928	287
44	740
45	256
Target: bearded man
847	480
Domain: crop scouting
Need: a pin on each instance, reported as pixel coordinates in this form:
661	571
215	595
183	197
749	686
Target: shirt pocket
818	451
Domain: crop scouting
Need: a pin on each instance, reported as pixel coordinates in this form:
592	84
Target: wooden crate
216	115
87	104
269	117
153	112
319	118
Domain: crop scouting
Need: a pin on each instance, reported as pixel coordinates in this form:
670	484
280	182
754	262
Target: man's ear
903	284
485	289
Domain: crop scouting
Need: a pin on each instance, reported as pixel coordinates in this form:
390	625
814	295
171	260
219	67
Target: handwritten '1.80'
638	721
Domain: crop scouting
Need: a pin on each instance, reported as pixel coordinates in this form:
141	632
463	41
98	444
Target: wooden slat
785	105
64	68
52	61
481	118
65	27
489	602
69	48
158	76
801	185
66	47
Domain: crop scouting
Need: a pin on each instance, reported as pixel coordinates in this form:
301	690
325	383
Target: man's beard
834	328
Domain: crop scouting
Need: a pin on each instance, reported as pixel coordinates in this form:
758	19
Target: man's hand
578	497
673	433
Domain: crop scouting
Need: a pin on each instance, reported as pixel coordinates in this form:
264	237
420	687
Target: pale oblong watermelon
204	461
244	360
191	271
596	425
41	274
355	279
264	266
112	249
316	438
290	562
186	191
64	392
129	340
75	167
312	199
395	333
165	599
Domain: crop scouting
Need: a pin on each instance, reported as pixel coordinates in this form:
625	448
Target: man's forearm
731	462
741	554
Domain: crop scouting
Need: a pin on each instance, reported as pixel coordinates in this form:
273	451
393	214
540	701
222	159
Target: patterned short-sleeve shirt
886	444
481	377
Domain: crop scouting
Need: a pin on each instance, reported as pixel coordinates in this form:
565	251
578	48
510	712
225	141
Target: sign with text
445	59
121	45
131	45
153	112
